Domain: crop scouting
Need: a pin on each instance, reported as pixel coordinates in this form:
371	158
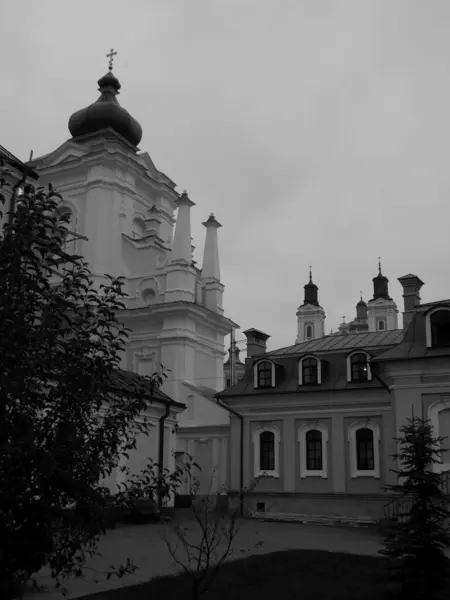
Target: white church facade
122	210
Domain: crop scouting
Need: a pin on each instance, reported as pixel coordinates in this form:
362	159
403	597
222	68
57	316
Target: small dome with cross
106	112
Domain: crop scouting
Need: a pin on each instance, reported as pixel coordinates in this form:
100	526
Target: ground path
145	546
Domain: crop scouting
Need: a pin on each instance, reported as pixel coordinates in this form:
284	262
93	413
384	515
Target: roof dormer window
310	371
358	367
438	327
264	374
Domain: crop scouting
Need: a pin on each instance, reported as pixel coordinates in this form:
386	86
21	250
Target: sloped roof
414	343
203	390
16	163
332	350
133	384
337	343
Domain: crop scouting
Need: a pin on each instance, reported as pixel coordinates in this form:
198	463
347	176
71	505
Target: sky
316	131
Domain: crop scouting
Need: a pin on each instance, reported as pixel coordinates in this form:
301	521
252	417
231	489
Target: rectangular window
365	450
267	451
314	450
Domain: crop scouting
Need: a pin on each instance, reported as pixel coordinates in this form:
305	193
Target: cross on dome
111	55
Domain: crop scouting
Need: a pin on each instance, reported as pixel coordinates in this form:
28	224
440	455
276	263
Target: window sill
306	474
372	474
273	474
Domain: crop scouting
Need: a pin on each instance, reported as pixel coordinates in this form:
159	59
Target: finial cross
111	55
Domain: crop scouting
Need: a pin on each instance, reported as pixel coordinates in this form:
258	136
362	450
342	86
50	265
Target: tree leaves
63	426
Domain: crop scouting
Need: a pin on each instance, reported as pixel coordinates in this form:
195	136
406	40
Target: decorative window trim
309	337
349	365
257	472
434	310
255	373
301	437
353	428
433	414
300	369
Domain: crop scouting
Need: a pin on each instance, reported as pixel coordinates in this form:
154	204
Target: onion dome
380	285
106	112
311	292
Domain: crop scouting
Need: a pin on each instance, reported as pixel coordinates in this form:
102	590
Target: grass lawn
291	574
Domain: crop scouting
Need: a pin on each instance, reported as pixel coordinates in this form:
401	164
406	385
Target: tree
205	541
417	543
63	422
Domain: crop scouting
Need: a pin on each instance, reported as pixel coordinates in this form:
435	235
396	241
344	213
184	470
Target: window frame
300	369
257	471
256	378
349	367
309	337
428	332
353	456
433	414
301	438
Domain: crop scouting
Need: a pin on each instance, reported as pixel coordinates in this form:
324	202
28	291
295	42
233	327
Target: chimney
411	287
256	342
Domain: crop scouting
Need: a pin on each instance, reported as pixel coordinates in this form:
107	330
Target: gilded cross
111	55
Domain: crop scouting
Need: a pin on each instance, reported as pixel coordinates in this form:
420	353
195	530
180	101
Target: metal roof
336	343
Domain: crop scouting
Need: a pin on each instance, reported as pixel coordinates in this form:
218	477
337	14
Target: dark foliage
416	543
63	426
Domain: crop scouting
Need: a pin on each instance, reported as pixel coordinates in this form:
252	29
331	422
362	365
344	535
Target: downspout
241	474
161	454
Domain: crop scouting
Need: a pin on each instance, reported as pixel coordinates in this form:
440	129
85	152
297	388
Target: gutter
241	461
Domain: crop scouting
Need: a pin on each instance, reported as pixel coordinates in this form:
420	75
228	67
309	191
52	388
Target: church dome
106	112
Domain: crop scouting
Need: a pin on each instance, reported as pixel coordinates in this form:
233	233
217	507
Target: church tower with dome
122	210
310	315
382	311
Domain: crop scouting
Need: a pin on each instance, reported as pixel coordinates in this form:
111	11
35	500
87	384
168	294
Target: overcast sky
317	131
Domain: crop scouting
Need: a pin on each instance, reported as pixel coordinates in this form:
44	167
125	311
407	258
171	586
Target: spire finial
111	55
379	265
310	274
360	292
343	319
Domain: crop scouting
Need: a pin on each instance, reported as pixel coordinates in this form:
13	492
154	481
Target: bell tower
310	315
382	311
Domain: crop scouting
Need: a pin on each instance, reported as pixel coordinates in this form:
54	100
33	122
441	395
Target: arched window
267	451
314	450
265	372
364	441
440	328
309	332
365	460
358	367
313	440
381	325
310	371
